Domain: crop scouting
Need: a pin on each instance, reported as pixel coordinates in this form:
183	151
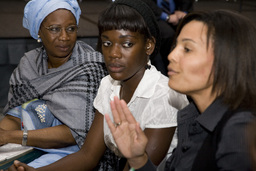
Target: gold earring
39	39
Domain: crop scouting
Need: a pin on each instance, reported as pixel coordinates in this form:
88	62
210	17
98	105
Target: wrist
167	18
24	137
138	162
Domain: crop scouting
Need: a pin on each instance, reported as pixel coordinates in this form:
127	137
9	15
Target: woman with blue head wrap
50	102
36	11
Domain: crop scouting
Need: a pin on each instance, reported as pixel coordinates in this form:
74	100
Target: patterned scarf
68	90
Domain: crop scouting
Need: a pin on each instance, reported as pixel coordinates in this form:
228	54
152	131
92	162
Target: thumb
20	166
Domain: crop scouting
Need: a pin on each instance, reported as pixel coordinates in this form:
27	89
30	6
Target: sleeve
149	166
101	100
230	155
16	112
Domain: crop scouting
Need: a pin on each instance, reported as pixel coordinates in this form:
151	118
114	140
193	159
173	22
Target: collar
145	88
209	118
212	115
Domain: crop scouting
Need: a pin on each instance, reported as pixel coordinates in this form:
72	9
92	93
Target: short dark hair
123	14
233	37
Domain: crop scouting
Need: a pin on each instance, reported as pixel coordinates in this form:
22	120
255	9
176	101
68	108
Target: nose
63	35
115	51
172	55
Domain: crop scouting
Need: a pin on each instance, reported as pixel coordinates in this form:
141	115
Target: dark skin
126	55
59	48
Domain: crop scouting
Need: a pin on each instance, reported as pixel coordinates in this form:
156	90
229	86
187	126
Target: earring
39	39
149	46
148	66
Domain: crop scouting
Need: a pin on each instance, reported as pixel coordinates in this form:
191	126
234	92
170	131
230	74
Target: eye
71	29
186	49
106	43
128	44
54	29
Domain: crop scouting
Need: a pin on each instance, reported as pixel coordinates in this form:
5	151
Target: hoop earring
39	39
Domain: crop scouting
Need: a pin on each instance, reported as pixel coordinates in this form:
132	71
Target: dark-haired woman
214	64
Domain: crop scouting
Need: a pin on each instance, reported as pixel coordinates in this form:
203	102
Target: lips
115	67
171	72
63	48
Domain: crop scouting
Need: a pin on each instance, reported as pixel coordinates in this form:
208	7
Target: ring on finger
118	124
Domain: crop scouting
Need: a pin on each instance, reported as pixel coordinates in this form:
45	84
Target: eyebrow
121	36
189	40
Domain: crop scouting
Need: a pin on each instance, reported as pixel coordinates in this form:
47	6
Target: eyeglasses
54	29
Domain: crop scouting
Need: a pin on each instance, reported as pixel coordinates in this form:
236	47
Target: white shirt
153	104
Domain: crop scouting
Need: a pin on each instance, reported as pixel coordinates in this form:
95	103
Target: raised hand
130	139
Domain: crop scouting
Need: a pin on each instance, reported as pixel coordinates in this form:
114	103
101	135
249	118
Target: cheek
199	71
200	74
193	76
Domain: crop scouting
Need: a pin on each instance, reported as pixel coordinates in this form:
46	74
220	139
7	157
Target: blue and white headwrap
36	10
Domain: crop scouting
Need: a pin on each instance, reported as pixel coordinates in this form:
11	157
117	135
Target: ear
150	46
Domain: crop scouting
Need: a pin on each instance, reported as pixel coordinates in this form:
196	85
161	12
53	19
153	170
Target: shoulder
233	145
83	52
32	54
240	119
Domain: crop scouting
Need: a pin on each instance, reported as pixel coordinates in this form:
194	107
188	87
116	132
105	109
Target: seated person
50	103
212	128
129	35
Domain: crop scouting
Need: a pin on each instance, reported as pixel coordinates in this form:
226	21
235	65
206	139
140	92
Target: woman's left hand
129	137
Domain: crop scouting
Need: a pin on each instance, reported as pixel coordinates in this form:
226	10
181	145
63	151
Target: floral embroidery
40	109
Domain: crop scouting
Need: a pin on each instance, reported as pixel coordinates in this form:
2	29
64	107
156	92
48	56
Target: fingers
22	166
118	107
121	113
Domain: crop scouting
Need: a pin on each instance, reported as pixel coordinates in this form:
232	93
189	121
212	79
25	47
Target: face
125	53
59	44
191	61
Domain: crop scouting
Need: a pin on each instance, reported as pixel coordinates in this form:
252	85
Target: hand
18	166
180	14
173	19
130	139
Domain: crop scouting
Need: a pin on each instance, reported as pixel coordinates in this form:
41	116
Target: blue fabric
167	5
36	10
36	115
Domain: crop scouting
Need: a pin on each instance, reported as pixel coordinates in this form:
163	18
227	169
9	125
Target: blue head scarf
36	10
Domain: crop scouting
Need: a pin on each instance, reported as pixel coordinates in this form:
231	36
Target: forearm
75	161
138	162
52	137
148	166
159	141
90	153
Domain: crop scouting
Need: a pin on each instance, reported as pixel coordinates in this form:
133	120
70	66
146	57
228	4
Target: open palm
130	139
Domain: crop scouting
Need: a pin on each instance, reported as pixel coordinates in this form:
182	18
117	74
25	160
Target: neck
129	86
54	62
203	100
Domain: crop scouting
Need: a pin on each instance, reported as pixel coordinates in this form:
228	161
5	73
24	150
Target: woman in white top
129	35
126	46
